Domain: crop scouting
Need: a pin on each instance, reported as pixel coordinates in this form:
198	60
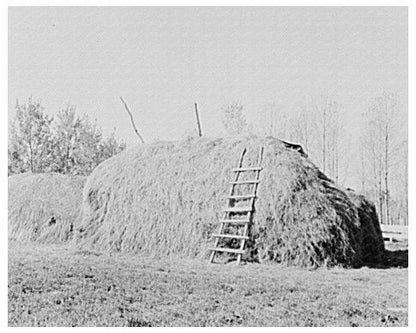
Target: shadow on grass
397	258
393	259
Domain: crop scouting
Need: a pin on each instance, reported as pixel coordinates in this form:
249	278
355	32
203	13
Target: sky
162	60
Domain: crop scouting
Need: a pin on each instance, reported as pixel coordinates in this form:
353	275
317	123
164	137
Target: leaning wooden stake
131	119
197	120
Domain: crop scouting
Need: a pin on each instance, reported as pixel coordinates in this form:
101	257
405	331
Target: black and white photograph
207	166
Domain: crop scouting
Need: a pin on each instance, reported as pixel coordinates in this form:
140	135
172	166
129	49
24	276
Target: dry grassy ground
59	286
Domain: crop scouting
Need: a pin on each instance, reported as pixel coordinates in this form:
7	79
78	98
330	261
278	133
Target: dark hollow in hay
43	207
166	199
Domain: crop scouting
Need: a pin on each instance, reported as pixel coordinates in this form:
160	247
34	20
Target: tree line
372	150
376	155
67	143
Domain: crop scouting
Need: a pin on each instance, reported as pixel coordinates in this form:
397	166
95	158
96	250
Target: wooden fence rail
394	232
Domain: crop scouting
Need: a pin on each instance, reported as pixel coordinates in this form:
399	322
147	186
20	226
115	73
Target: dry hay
166	199
43	207
372	243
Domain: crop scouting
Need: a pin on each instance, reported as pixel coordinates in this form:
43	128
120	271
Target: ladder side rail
250	218
252	200
243	241
257	177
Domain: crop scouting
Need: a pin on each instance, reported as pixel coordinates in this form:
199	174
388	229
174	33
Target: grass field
51	285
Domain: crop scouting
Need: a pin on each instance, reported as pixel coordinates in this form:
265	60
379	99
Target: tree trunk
336	164
386	174
362	171
380	197
324	139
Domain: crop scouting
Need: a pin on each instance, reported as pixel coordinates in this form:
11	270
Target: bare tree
384	143
327	129
234	120
302	128
316	126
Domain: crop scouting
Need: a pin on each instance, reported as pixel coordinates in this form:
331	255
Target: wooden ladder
247	211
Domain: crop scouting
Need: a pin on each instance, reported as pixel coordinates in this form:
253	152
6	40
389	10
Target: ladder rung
235	221
253	181
221	249
247	169
237	197
237	209
230	236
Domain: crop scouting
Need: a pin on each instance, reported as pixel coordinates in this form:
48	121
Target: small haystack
43	207
166	199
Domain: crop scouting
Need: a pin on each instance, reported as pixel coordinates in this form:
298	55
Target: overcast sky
162	60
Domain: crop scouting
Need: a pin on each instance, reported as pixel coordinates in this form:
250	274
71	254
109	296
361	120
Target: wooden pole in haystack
197	120
131	119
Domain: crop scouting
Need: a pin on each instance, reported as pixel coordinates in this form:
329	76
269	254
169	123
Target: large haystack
166	199
43	207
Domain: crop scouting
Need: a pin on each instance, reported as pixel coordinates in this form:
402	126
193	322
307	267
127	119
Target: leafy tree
69	144
110	146
30	140
81	144
67	135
